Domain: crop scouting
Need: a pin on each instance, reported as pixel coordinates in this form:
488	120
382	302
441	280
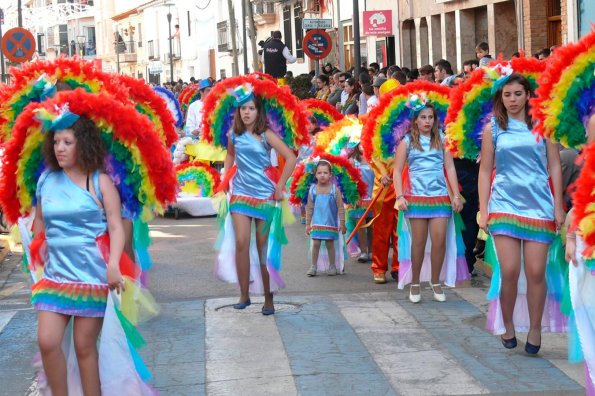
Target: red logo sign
378	23
18	45
317	44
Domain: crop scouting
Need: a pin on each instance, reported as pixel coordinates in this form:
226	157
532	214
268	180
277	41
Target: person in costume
325	216
256	186
306	150
76	203
364	235
519	210
431	198
194	114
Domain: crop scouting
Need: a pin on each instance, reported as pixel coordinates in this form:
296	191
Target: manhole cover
257	306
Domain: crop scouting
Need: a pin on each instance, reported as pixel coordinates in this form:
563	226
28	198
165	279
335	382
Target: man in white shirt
276	56
194	113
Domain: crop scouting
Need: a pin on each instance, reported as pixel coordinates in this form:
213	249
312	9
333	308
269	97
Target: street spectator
373	69
543	54
469	66
400	77
443	72
426	73
370	97
336	89
364	79
378	81
351	104
276	56
516	55
482	51
343	77
194	113
324	90
329	69
412	75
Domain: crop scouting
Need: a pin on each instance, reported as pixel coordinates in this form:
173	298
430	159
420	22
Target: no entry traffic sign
18	45
317	44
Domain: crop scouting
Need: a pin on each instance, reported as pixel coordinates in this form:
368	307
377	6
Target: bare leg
241	228
128	246
315	252
262	236
535	255
50	332
363	240
86	331
419	237
509	256
438	237
330	247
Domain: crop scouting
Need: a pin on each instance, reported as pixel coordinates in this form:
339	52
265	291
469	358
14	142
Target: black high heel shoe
530	348
510	343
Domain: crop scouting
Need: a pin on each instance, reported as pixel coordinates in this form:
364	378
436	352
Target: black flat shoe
268	311
511	343
531	349
242	305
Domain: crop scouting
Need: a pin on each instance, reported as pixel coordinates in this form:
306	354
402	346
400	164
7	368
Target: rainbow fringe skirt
261	209
77	299
324	232
421	207
524	228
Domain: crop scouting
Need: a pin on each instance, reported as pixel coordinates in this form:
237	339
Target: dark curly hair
90	149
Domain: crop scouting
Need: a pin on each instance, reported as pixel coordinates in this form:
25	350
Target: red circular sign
18	45
317	44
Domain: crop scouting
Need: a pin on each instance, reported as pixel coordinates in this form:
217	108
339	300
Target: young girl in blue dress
364	235
521	214
429	204
256	187
325	218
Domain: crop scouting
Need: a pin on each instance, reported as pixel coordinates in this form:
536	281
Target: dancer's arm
113	209
555	170
485	173
400	158
230	157
309	212
451	172
290	160
341	212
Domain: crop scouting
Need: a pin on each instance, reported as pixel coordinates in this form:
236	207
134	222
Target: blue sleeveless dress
368	178
428	193
75	275
253	188
521	204
325	217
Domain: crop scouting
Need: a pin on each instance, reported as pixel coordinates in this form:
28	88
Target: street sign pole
1	52
356	39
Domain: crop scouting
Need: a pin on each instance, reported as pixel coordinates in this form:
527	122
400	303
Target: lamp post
171	50
81	42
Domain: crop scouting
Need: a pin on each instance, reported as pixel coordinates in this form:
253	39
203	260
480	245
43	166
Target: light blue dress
325	217
428	193
368	178
75	275
521	203
253	189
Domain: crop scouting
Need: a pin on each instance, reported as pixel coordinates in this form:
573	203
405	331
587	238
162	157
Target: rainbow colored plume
186	96
584	205
334	139
74	72
197	178
347	177
471	105
324	112
388	122
284	116
566	94
136	160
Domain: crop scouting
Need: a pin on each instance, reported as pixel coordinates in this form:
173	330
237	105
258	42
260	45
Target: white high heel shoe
440	297
414	298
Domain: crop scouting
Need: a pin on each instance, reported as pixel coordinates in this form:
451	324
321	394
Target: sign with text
308	24
378	23
317	44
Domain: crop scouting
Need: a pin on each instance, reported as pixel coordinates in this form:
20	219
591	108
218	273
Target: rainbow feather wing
584	205
324	112
388	122
172	104
136	161
334	139
74	72
185	96
347	177
284	115
203	176
566	94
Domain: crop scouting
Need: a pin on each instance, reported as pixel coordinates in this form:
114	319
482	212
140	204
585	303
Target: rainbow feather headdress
198	178
390	120
472	103
346	176
336	137
172	105
566	95
187	96
136	161
284	115
30	84
323	111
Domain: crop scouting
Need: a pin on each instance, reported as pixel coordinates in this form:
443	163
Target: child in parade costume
306	151
256	187
522	216
364	235
325	218
426	203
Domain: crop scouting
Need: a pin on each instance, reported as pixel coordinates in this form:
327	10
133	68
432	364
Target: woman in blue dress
427	204
76	203
520	212
256	187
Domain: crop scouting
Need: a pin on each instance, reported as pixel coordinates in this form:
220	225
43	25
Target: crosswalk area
343	344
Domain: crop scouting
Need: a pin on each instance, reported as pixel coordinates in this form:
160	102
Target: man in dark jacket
276	56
